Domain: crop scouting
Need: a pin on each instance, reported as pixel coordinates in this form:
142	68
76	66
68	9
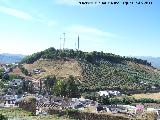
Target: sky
29	26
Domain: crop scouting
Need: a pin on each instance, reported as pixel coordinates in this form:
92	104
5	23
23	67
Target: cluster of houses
6	68
38	71
43	104
46	102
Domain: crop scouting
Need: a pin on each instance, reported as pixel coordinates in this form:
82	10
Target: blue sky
28	26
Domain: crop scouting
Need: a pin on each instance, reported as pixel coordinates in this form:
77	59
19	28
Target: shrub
2	117
72	113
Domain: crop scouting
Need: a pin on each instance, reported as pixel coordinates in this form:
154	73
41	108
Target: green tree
57	90
115	101
49	83
2	117
1	73
66	88
31	87
71	87
103	100
25	86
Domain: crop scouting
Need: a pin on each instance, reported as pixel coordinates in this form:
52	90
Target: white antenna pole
64	40
60	42
78	42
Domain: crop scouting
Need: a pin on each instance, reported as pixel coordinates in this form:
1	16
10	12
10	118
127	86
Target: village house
16	82
38	71
108	93
10	100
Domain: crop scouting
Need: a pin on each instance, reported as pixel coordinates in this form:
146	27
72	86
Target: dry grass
17	71
19	114
28	99
59	68
148	116
155	96
144	68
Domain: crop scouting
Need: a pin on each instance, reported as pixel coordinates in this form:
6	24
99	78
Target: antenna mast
60	42
78	42
64	41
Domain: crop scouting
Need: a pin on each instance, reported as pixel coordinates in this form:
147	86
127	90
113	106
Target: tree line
52	53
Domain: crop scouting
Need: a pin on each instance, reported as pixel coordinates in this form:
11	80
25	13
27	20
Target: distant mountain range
154	60
10	58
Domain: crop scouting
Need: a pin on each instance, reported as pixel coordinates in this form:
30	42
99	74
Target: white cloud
16	13
25	16
79	29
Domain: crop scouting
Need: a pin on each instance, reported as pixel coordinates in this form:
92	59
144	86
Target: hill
10	58
96	70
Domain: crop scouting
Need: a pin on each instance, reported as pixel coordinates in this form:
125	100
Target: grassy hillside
60	68
96	70
19	114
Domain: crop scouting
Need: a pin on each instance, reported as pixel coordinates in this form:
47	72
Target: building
16	82
103	93
109	93
10	100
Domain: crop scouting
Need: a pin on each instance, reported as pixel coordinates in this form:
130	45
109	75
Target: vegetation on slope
19	114
100	71
126	77
92	57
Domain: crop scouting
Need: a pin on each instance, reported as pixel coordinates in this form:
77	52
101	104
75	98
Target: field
19	114
155	96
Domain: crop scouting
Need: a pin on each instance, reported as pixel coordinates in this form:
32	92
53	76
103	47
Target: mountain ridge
10	58
154	60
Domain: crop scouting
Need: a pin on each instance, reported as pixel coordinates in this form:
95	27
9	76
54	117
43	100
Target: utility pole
78	42
64	41
60	42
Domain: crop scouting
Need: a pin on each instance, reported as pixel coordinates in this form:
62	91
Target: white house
10	100
16	82
114	92
108	93
103	93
